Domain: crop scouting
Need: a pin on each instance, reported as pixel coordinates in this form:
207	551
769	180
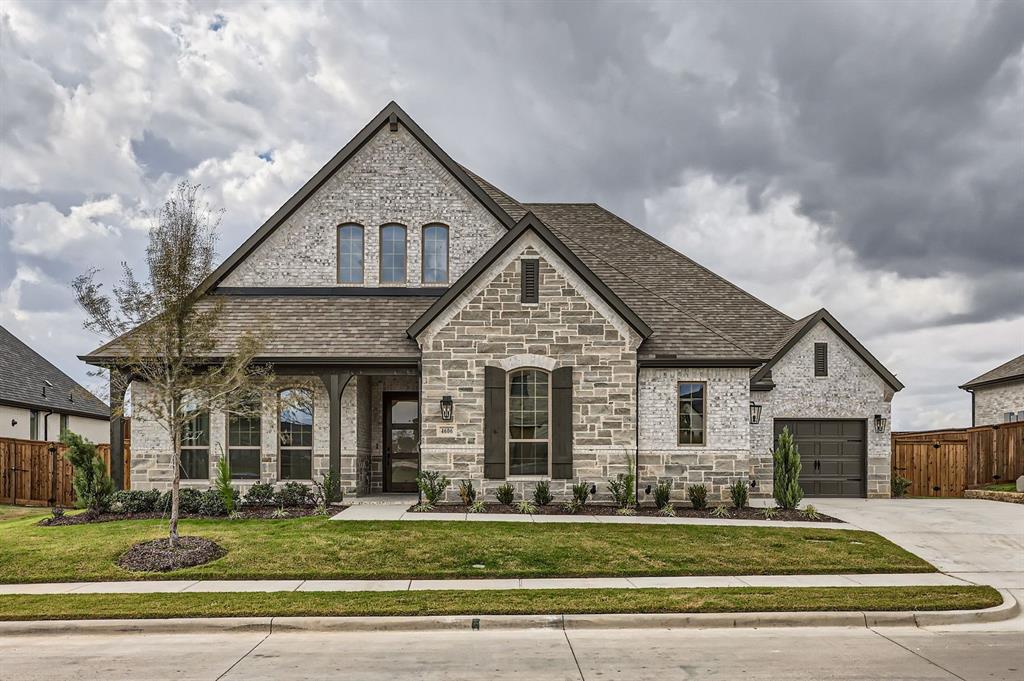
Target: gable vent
530	276
821	359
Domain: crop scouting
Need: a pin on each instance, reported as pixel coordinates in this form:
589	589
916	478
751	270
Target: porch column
118	386
335	382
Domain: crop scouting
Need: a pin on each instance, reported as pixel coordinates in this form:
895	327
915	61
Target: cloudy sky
867	158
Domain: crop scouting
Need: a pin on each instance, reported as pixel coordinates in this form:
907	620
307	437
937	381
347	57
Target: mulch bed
158	556
649	511
245	513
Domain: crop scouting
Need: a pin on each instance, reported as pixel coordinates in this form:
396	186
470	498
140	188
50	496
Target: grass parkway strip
318	548
498	602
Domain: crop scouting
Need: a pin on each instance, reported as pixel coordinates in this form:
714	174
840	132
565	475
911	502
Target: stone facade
992	403
392	179
723	459
852	390
489	326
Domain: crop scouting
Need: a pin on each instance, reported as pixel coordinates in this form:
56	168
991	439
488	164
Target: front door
401	440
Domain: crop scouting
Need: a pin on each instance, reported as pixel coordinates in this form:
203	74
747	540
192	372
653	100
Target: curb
1008	609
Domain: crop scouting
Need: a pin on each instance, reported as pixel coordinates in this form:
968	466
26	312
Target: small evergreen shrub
739	493
786	455
622	487
135	500
478	506
432	485
698	495
279	513
572	507
663	494
328	491
222	484
542	493
260	494
811	512
93	487
770	513
667	510
580	493
505	493
625	510
57	511
188	501
467	492
900	485
526	506
293	495
719	512
212	503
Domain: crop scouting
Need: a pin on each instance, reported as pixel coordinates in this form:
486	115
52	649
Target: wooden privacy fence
35	473
944	463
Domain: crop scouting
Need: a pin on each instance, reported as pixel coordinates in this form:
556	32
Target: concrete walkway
271	585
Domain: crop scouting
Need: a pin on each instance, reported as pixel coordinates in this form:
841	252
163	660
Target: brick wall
992	403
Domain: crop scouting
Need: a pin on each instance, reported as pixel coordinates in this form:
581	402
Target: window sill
528	478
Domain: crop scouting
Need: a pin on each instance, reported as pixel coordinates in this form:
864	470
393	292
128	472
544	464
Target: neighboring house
38	401
450	327
997	396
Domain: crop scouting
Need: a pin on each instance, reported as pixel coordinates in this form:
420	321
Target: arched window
435	254
529	413
392	254
295	434
350	254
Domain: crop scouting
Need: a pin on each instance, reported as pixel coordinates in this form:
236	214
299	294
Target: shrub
432	484
698	495
627	510
739	493
663	494
135	500
328	491
188	501
622	487
93	487
467	492
573	506
900	485
542	493
57	511
293	494
478	506
279	513
580	493
667	510
787	472
260	494
222	485
212	503
811	512
770	512
720	512
526	506
505	493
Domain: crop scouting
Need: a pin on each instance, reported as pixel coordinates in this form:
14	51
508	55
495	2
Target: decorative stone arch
528	361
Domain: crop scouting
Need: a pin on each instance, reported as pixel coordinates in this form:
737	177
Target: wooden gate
35	473
944	463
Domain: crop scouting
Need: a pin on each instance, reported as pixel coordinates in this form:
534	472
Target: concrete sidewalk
271	585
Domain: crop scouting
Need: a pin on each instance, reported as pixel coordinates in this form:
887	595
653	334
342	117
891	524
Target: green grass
1002	487
511	602
318	548
8	512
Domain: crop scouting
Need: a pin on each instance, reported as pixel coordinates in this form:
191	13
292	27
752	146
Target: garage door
832	455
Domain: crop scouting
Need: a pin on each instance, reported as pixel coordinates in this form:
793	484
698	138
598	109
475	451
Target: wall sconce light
593	488
447	407
879	423
647	490
14	422
755	413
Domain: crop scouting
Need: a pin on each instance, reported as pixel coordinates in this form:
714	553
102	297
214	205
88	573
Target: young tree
787	492
166	336
93	487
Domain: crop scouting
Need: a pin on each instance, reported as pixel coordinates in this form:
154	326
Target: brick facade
991	403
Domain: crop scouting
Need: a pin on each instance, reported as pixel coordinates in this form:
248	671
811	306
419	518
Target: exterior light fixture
879	423
14	422
647	490
447	407
755	412
593	488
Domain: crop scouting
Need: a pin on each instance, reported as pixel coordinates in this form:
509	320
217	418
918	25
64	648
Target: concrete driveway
978	541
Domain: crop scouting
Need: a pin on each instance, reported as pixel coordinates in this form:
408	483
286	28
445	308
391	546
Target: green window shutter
561	423
494	423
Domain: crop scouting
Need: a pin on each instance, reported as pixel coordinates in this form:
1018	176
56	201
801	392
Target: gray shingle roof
23	376
1014	369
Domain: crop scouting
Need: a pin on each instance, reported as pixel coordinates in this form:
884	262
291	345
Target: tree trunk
175	483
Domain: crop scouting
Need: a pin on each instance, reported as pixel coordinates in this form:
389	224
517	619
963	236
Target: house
997	396
447	326
38	401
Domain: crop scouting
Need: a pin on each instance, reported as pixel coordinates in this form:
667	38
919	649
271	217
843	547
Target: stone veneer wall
992	403
725	456
852	390
392	179
488	325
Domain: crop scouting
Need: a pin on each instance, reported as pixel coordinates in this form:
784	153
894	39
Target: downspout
636	435
46	425
419	419
973	424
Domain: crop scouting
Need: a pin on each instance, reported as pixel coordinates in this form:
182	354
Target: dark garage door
832	455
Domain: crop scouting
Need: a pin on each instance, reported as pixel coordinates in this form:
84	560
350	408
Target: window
195	447
244	441
392	254
1009	417
435	254
33	425
530	280
295	434
821	359
528	417
691	413
350	254
63	424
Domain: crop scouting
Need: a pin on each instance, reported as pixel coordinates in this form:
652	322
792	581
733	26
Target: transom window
295	434
435	254
350	254
195	446
691	413
529	413
392	254
244	441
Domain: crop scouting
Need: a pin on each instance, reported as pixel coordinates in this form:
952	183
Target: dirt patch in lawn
158	556
647	511
246	513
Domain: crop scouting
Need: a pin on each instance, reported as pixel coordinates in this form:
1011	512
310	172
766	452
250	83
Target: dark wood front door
401	441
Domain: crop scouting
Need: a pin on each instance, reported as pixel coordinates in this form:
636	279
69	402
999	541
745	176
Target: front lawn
8	512
318	548
1002	487
508	602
